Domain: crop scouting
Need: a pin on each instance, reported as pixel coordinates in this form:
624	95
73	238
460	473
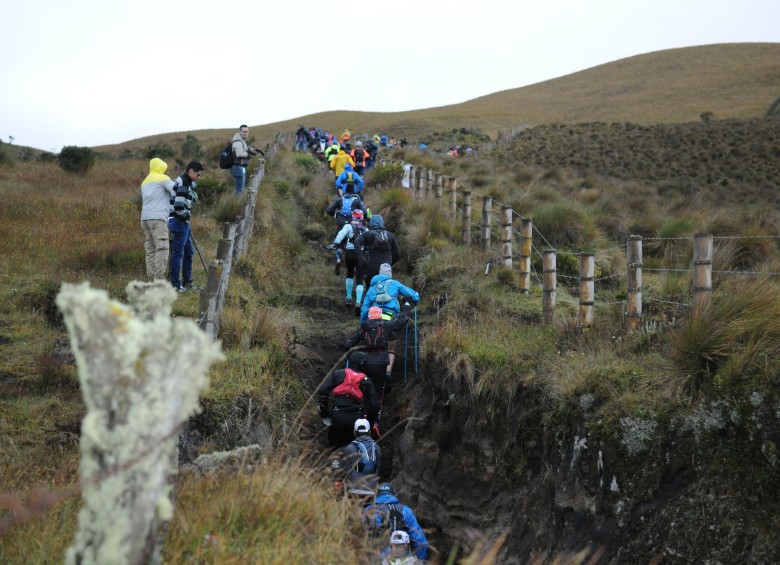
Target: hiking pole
202	262
406	348
415	338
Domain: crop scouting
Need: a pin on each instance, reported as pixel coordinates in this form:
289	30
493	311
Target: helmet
358	359
357	215
399	537
362	426
386	488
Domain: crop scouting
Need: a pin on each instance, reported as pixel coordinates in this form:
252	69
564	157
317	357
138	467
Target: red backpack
351	385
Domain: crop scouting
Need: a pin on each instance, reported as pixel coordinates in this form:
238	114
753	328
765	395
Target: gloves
332	246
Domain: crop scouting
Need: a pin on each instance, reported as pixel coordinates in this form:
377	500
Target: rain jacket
416	535
344	178
157	189
394	289
240	151
340	161
372	252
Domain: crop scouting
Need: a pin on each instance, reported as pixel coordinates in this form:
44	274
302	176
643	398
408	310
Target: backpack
367	462
381	240
360	156
226	157
382	296
351	385
356	231
391	520
347	203
375	337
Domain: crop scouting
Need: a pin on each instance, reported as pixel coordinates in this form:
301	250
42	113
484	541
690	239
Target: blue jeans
181	252
300	145
239	176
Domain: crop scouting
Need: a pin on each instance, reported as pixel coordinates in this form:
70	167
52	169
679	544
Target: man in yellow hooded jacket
157	189
341	159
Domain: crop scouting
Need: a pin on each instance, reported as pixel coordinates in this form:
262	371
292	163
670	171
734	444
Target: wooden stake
550	283
634	283
526	229
702	272
587	269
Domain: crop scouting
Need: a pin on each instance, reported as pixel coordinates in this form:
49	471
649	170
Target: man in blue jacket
349	178
388	514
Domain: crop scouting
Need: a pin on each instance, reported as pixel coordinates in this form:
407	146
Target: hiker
341	159
354	397
157	189
400	552
342	208
349	176
346	239
374	247
387	514
384	292
241	155
179	226
301	138
361	461
360	156
345	136
331	151
375	335
372	146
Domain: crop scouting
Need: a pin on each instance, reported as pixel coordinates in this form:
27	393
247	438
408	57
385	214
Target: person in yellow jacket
331	151
157	189
341	159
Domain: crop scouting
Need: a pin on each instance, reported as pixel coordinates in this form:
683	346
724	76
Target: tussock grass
565	226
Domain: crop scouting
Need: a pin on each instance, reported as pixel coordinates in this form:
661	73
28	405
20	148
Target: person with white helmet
387	515
400	550
361	461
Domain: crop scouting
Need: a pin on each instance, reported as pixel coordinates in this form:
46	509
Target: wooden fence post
484	242
702	272
452	190
419	188
550	283
412	177
429	183
506	235
634	282
465	230
526	231
438	188
587	270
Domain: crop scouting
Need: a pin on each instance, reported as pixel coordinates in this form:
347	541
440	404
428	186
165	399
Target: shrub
228	208
47	157
76	159
5	158
191	148
307	162
282	186
386	175
42	299
565	226
211	188
160	150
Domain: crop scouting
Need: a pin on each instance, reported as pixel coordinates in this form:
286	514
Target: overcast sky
89	72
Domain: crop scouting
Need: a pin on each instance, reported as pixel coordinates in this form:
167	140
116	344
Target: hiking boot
181	289
357	310
348	301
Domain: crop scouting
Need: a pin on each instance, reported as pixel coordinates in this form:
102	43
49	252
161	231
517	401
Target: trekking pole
406	349
415	338
202	262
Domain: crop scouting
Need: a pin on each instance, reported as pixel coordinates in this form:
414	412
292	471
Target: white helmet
362	426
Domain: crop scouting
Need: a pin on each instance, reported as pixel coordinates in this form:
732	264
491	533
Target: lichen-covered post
465	229
422	175
634	282
702	272
585	310
487	216
412	178
526	231
141	373
550	281
438	186
452	190
506	235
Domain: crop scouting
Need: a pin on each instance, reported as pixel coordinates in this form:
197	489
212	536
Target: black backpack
226	157
381	240
392	520
375	337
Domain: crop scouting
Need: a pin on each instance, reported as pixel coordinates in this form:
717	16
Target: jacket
349	232
394	289
377	245
157	189
369	405
346	178
335	208
340	160
240	151
375	512
185	196
360	156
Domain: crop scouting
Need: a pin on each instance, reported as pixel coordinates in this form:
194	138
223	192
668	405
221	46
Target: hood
348	167
237	136
377	278
377	221
157	168
385	498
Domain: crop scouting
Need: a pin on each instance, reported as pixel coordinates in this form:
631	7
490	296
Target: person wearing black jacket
179	226
375	336
374	247
354	397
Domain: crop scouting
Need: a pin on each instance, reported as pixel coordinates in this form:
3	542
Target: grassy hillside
677	85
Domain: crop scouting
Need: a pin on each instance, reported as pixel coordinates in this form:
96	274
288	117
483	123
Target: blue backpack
347	205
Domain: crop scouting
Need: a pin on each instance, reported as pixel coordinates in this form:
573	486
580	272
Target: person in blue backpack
384	293
347	178
361	461
354	397
346	239
387	515
342	209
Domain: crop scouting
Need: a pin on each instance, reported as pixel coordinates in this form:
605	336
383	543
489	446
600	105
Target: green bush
565	226
307	162
191	148
211	189
47	157
228	208
160	150
386	175
76	159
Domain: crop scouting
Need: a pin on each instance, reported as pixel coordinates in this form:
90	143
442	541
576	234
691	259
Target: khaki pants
156	245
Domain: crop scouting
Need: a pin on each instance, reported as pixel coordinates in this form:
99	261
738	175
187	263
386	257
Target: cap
386	269
386	488
399	537
362	426
375	313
